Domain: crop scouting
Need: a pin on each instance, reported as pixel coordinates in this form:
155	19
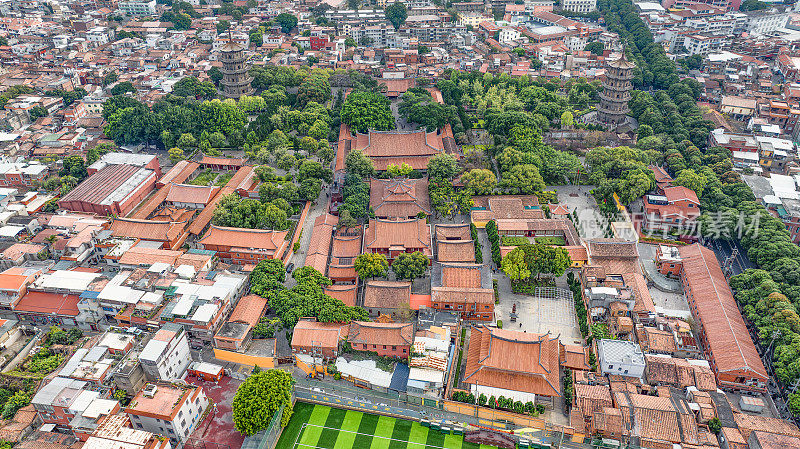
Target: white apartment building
138	8
168	410
580	6
508	34
166	356
621	357
766	21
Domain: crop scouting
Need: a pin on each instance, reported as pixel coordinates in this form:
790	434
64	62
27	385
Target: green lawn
318	426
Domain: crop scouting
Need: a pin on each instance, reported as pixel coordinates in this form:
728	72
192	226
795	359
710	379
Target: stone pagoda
616	93
235	81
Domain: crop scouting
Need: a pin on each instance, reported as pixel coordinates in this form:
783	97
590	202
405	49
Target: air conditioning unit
150	391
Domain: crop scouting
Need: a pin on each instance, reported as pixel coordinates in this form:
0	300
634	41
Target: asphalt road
723	249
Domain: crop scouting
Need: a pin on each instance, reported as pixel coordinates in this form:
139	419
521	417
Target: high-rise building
579	6
616	91
235	81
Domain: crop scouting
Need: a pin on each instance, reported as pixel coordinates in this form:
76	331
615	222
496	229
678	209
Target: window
374	346
384	346
394	348
404	350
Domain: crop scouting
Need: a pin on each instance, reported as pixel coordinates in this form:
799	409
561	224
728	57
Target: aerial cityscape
391	224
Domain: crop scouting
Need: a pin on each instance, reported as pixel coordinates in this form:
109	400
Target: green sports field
318	426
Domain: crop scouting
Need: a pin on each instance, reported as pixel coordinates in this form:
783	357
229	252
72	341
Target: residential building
387	298
319	340
166	356
117	431
620	357
385	339
169	410
244	246
138	8
236	333
579	6
676	207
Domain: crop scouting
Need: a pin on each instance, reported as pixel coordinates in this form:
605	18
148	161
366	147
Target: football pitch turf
322	427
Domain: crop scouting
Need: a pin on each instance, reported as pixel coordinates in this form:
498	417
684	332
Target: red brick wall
384	350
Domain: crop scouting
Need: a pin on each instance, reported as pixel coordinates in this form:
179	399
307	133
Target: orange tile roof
769	440
198	261
575	357
343	292
384	234
367	332
749	423
513	360
249	310
465	295
725	331
15	278
319	246
309	333
461	275
48	304
187	193
147	229
400	197
262	239
211	160
386	294
179	173
453	232
455	250
141	255
165	404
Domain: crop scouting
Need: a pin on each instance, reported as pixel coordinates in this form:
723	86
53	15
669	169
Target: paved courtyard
578	197
538	315
217	427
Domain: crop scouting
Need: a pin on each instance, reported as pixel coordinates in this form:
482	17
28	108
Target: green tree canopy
410	266
364	110
480	181
443	166
371	265
359	164
286	21
596	47
514	265
396	14
259	397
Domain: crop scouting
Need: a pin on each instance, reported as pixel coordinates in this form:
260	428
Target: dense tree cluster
532	260
621	170
653	66
365	110
235	211
306	299
410	265
418	106
371	265
259	397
